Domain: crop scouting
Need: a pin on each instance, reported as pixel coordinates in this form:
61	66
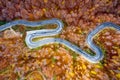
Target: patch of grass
90	52
74	55
54	77
2	22
67	48
18	78
101	62
53	60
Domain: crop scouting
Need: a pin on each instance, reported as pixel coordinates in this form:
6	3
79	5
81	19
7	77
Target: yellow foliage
93	72
118	75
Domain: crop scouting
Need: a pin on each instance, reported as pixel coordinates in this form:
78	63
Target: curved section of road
51	32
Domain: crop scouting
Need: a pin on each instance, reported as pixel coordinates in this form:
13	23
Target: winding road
52	32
